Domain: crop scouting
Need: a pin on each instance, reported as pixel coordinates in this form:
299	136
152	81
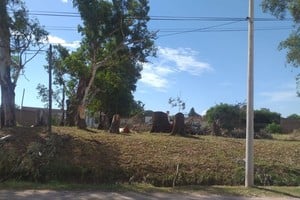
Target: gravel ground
95	195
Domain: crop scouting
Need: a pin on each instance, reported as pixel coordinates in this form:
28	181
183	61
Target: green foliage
226	116
108	64
43	94
263	117
280	9
231	119
137	108
293	116
273	128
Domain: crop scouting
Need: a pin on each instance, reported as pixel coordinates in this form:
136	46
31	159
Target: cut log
178	126
160	123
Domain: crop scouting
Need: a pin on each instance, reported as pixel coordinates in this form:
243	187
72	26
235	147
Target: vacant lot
72	155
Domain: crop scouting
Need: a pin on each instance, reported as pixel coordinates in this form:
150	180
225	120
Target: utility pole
50	90
249	168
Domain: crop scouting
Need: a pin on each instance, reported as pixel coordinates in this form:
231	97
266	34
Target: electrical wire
159	18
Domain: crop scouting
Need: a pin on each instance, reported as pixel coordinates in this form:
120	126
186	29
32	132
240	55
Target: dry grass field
96	157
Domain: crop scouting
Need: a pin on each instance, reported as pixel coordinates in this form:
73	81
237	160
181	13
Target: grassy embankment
75	156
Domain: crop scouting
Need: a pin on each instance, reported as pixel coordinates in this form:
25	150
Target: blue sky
204	62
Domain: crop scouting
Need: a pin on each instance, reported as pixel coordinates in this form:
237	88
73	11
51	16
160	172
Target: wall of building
30	116
289	125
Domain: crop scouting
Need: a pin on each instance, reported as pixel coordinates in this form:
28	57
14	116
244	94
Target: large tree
280	8
18	34
113	32
114	86
7	94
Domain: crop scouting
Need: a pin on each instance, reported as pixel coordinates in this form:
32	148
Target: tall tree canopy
18	34
280	8
115	41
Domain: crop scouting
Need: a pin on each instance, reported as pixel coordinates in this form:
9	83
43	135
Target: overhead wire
230	20
158	17
201	29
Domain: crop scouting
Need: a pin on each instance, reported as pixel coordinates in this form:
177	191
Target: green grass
96	157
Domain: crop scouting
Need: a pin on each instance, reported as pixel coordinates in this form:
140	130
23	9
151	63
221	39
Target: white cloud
64	1
154	76
57	40
170	61
184	59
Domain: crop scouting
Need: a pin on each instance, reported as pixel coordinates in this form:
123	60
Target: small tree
273	128
224	116
177	102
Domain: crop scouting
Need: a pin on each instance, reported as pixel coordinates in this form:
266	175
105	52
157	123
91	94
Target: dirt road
95	195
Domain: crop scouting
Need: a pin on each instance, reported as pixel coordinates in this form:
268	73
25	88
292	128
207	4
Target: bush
273	128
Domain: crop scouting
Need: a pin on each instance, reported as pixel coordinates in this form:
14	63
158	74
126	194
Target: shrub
273	128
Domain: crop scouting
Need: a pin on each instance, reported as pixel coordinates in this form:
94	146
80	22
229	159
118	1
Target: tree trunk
81	123
178	126
8	106
81	105
62	120
8	118
115	124
71	112
160	123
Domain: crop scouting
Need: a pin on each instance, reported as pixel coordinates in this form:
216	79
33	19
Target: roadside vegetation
71	155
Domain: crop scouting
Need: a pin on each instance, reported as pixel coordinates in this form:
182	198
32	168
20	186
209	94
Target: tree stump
178	126
103	122
160	123
115	124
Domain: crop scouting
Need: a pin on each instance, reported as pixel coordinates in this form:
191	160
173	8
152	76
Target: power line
226	29
201	29
175	31
170	30
160	18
